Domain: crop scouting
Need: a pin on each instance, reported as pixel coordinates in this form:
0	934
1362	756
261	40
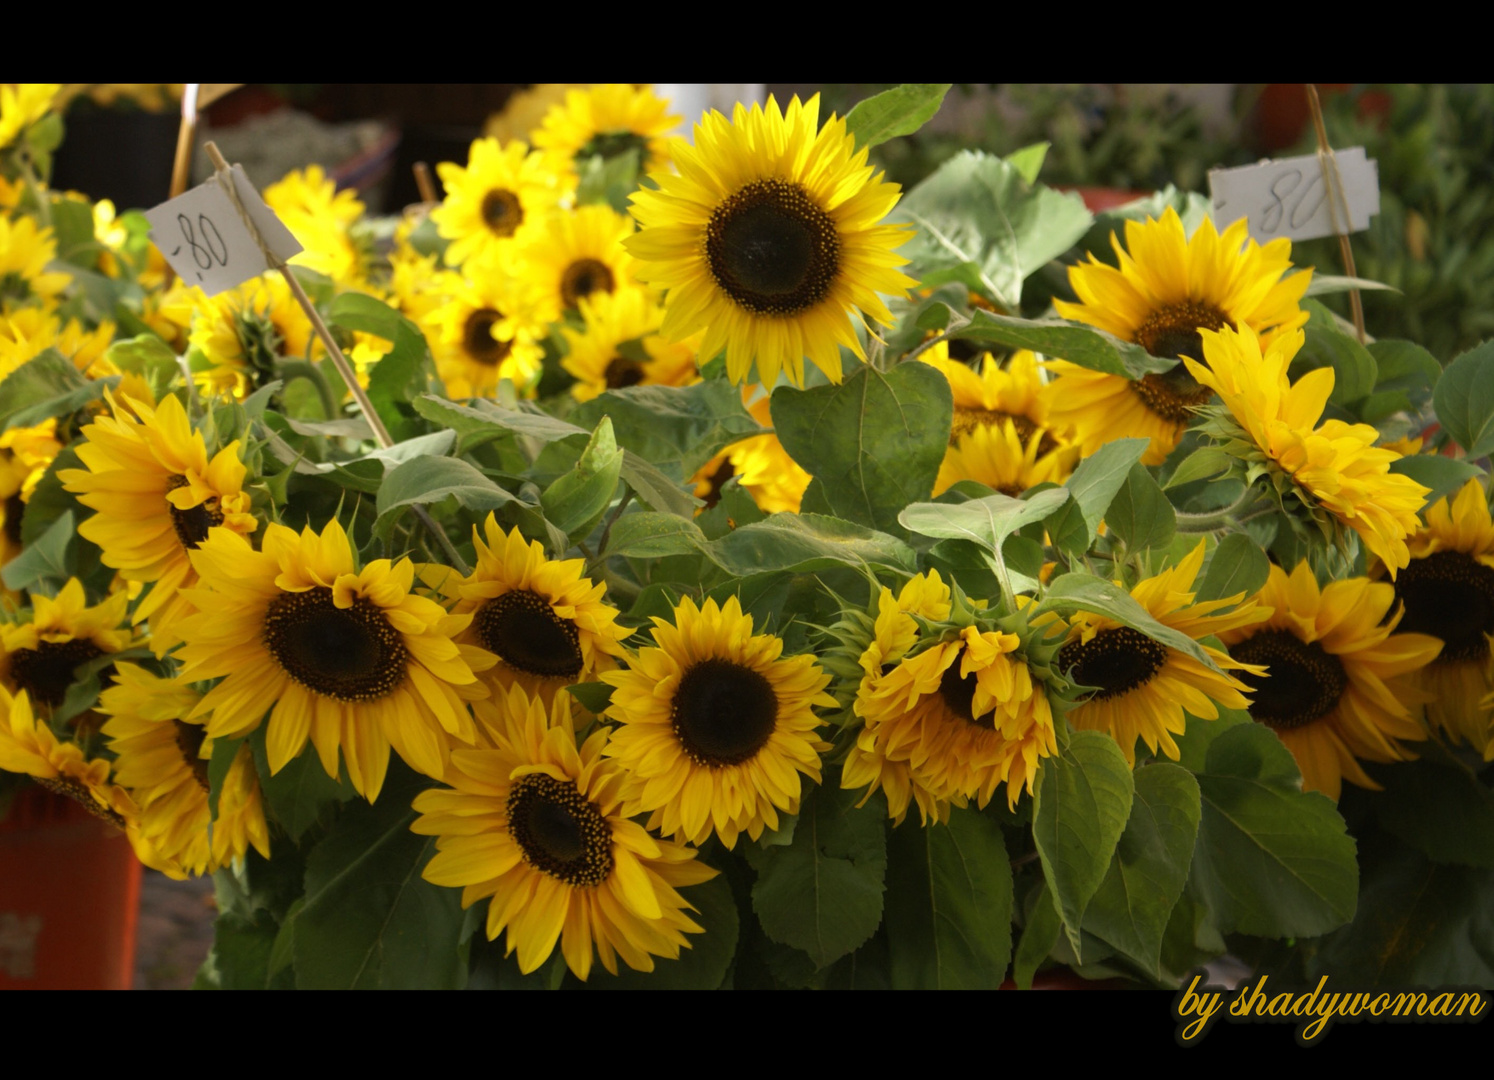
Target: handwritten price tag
205	240
1288	197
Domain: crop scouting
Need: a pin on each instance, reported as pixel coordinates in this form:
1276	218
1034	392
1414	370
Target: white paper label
207	243
1288	198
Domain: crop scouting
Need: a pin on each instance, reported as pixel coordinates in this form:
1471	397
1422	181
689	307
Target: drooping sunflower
575	254
25	252
244	332
611	320
28	747
350	659
537	823
1143	686
162	758
1448	593
767	239
1335	466
156	495
1167	289
1335	686
486	331
546	623
760	465
504	189
38	657
606	120
716	725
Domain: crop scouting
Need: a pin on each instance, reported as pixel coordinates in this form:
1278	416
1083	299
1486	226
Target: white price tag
207	243
1288	197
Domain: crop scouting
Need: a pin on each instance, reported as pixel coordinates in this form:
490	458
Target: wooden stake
1337	201
424	182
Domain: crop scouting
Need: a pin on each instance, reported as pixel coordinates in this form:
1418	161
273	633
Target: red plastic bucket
69	898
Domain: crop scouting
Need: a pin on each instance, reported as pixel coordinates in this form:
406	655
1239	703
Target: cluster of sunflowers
643	637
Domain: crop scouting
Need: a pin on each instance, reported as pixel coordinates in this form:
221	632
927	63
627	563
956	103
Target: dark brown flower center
718	481
189	739
968	419
478	340
723	713
560	831
46	672
584	277
14	508
772	249
959	694
1116	661
501	212
350	653
1172	332
622	372
1450	595
1302	682
192	524
80	793
1172	395
522	629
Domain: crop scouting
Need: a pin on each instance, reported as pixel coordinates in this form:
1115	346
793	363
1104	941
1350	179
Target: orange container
69	898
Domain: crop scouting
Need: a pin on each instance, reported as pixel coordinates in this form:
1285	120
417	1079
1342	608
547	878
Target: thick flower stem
1218	520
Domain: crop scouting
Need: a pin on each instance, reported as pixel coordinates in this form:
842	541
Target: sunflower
502	194
1167	289
243	334
320	217
716	725
1335	685
1013	392
1141	686
611	320
486	331
536	822
545	622
38	657
760	464
994	455
162	758
575	254
767	239
1448	593
353	660
21	105
1335	466
29	748
606	121
525	109
156	495
25	252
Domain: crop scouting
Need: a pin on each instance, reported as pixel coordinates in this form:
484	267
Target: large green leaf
822	894
1464	400
242	947
678	428
1354	369
401	375
1443	475
1038	937
1407	375
986	522
805	543
949	904
301	793
1079	344
1134	902
980	222
701	966
1238	565
1440	808
47	385
427	480
1272	860
899	111
576	500
1079	811
371	921
1140	514
874	443
1095	483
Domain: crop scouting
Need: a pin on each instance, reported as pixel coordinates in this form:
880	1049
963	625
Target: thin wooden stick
345	369
424	182
1336	199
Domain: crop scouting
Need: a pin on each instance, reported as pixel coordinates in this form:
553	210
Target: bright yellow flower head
1337	465
607	120
575	254
245	331
38	657
21	105
25	252
319	216
28	747
610	320
995	455
768	239
503	194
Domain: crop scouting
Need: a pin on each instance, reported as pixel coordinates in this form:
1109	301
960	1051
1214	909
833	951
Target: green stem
1215	520
291	370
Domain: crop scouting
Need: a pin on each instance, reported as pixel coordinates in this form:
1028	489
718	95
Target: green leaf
301	792
949	904
371	921
1096	481
806	543
1038	938
899	111
472	428
1443	811
47	385
45	561
650	535
987	522
1463	398
1327	284
1407	374
150	358
1140	514
704	964
1074	342
822	894
400	376
1133	904
1199	465
577	499
1272	860
678	428
1089	593
1079	811
427	480
594	696
1029	160
1442	474
873	444
241	951
1238	565
981	222
607	180
1353	365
